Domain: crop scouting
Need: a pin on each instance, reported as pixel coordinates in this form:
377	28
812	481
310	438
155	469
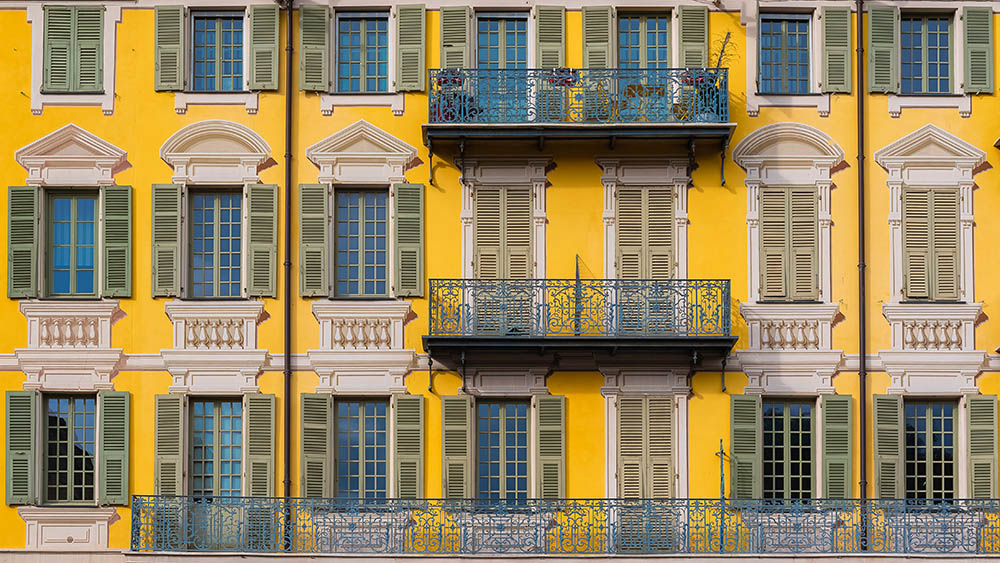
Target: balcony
564	526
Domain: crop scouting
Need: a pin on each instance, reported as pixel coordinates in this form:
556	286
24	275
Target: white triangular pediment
71	155
361	138
930	143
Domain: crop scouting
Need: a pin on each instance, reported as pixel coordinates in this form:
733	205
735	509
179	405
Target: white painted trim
330	102
962	103
215	151
71	156
362	153
184	99
36	17
66	528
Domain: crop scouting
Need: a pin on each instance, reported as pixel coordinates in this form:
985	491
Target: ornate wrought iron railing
580	526
579	95
579	307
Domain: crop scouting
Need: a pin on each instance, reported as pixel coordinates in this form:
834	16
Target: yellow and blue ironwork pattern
579	307
578	95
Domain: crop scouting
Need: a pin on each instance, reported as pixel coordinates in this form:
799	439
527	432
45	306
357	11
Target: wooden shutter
838	430
550	447
803	236
57	73
836	49
314	240
659	225
773	243
116	241
409	244
317	459
259	443
88	49
263	246
883	49
945	262
168	50
917	243
113	408
659	425
982	411
549	33
455	37
978	49
20	453
314	48
630	226
517	233
488	232
166	240
22	242
456	421
410	37
631	446
887	413
745	446
264	47
693	36
168	445
597	33
408	453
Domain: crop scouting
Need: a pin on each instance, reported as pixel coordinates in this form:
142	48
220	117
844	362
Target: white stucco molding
624	172
216	151
790	326
931	157
394	101
933	373
960	102
71	156
66	528
361	153
789	154
249	100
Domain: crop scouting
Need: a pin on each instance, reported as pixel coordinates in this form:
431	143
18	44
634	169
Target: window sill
392	100
819	101
67	528
961	102
184	99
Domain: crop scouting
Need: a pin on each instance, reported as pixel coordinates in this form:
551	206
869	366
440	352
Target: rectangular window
217	43
788	449
216	234
363	52
784	54
789	243
70	445
502	428
361	452
931	248
930	449
73	50
361	243
925	54
644	41
502	40
216	447
72	245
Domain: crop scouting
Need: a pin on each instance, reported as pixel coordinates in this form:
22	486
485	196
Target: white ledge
67	528
184	99
819	101
329	102
963	103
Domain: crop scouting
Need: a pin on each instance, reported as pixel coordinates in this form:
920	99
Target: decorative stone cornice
933	326
70	528
71	156
930	145
362	153
790	326
216	151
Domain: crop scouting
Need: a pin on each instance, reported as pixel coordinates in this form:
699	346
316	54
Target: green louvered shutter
488	232
168	50
22	242
264	47
887	413
630	225
917	242
645	232
455	37
693	36
803	237
168	438
659	427
117	241
57	73
838	430
20	453
978	50
260	445
883	49
745	447
88	49
411	23
263	246
314	240
551	22
659	224
409	243
408	454
836	49
166	240
113	407
456	420
982	410
774	243
314	48
597	31
517	233
550	447
945	246
316	413
631	446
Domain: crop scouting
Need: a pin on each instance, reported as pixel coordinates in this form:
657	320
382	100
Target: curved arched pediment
216	150
787	141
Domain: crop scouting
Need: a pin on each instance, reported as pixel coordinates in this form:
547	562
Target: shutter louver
774	243
631	446
659	224
116	240
260	445
457	446
982	420
409	243
410	38
168	50
836	50
803	236
597	30
837	441
978	49
745	446
314	240
693	36
883	49
113	407
488	232
887	413
263	245
166	240
917	243
408	456
630	224
88	49
314	48
517	233
168	447
550	449
264	47
551	22
945	233
660	447
20	453
22	242
57	74
455	37
316	413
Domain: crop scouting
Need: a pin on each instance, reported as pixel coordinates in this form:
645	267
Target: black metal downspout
862	297
289	94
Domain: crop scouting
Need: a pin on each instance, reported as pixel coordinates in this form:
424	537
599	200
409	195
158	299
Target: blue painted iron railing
579	307
579	95
599	526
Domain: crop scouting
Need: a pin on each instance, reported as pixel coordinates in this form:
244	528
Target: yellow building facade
594	266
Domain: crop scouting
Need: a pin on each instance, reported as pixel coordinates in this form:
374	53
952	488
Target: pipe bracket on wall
722	166
430	160
430	373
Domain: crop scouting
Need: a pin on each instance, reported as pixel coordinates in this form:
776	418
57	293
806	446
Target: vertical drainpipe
289	93
862	297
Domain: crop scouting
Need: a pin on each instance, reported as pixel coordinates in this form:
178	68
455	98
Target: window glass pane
361	243
216	447
502	42
216	244
502	451
217	52
929	445
644	41
784	55
72	244
925	55
787	449
363	52
70	448
361	448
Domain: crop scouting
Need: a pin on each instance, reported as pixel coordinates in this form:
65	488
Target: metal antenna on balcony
578	296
